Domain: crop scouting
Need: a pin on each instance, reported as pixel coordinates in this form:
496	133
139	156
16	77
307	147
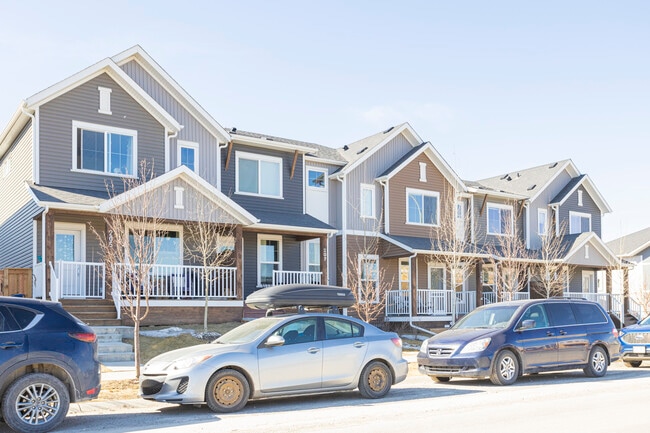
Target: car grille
438	369
636	338
150	387
182	386
440	351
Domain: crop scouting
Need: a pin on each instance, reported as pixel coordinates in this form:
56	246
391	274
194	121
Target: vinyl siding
18	209
541	202
81	104
588	207
292	189
409	177
366	173
480	218
192	130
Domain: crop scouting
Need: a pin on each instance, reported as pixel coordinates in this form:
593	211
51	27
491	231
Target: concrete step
115	347
115	357
102	322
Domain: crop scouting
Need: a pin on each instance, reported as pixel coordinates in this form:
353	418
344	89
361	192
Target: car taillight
397	341
615	332
86	337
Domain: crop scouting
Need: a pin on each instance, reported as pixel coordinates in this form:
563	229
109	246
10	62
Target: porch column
239	275
414	287
323	258
48	256
479	283
626	290
608	288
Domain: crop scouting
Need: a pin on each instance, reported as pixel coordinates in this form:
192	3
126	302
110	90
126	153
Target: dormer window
104	100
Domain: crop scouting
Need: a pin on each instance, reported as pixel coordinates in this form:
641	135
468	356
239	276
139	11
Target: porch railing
636	309
430	302
398	302
296	277
491	297
178	281
38	283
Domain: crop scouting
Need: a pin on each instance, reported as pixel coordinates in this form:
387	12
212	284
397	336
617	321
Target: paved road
555	402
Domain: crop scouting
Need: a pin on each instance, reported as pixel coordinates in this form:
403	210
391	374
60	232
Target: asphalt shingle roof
525	182
69	195
628	244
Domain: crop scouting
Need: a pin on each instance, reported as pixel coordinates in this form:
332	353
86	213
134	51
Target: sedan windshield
490	317
248	331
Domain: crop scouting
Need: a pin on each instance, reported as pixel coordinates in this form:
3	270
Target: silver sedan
278	356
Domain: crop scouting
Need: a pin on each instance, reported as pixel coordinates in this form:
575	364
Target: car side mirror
526	324
275	340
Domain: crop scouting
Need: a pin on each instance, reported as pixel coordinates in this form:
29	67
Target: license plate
638	349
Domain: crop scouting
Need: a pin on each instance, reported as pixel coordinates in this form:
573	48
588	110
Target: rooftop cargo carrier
300	295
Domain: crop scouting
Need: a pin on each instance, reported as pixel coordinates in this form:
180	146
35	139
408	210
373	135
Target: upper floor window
188	155
422	207
579	222
499	219
541	221
316	178
259	175
104	149
367	201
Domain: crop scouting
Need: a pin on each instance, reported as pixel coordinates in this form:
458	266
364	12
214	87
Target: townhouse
386	212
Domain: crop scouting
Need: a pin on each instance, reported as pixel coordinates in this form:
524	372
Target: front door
68	256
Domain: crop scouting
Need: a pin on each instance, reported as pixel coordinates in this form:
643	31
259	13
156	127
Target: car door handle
359	344
549	334
313	350
562	332
10	345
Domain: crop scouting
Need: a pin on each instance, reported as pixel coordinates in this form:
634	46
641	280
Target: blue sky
496	86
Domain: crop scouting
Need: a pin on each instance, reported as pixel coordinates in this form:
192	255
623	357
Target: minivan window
537	314
561	313
488	317
588	313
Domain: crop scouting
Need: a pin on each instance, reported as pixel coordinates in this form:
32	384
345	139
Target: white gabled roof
597	243
139	55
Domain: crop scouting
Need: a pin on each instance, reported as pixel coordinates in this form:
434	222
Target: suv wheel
597	366
35	402
505	368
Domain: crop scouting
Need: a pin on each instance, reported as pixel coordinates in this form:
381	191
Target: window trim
499	206
261	237
104	100
580	214
188	145
316	188
432	265
308	263
362	210
369	257
541	211
161	227
257	157
76	125
423	192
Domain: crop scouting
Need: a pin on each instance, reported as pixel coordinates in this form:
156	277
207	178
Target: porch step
110	347
95	312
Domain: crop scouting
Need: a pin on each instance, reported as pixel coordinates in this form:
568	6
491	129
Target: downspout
44	276
219	147
556	214
167	146
527	224
344	241
384	184
418	328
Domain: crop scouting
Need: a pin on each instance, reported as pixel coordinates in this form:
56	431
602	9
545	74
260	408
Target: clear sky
496	86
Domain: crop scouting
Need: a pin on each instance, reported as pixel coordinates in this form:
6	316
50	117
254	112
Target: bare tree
130	247
642	297
551	272
211	243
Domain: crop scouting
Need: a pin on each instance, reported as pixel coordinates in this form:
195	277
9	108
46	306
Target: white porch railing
55	286
81	279
601	298
180	281
636	309
296	277
430	302
491	297
398	302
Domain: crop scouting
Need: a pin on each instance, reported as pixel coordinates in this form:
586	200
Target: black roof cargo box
294	295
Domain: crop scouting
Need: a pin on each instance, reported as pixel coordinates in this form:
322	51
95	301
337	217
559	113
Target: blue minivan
502	341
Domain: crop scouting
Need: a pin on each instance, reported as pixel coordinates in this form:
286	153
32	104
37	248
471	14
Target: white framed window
404	274
188	155
104	149
437	277
104	100
166	241
542	218
259	175
269	258
422	207
367	201
317	179
423	172
312	258
580	198
579	222
369	278
500	219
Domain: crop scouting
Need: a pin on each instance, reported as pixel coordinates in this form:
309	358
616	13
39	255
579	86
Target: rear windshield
488	317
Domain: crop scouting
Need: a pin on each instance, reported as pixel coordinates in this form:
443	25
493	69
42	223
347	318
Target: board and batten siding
192	131
82	104
409	178
588	207
541	202
292	189
18	209
366	173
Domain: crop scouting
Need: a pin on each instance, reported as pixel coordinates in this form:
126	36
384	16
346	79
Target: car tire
597	365
227	391
441	379
505	368
35	403
376	380
633	364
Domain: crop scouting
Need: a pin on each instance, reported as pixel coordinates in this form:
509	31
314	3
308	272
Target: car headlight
476	345
424	346
185	363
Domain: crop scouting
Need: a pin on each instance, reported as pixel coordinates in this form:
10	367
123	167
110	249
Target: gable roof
632	244
584	181
139	55
269	141
572	244
433	155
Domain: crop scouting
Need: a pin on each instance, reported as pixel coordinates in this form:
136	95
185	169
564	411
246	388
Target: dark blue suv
47	360
505	340
635	343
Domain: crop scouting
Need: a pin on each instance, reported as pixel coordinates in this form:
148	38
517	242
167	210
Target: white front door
588	283
68	246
